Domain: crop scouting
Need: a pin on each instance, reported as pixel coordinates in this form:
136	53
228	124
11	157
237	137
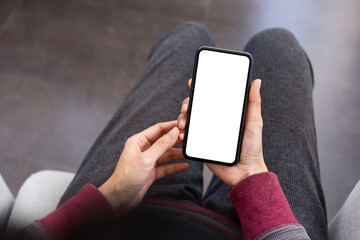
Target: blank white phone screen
217	106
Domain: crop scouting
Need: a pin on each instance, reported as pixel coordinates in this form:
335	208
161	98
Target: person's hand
137	167
251	156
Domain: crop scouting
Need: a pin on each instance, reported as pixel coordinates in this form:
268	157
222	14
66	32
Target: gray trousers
289	137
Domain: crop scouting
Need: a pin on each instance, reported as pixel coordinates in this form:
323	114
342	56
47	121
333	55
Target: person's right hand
251	156
138	168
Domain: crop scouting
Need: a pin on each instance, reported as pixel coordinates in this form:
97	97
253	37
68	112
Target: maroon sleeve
86	208
263	209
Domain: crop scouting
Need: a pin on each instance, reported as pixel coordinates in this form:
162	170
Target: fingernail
174	132
181	136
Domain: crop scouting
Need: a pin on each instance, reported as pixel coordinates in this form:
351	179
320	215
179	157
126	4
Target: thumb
254	104
162	144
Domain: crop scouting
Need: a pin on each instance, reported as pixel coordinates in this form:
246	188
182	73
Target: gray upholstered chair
41	192
37	197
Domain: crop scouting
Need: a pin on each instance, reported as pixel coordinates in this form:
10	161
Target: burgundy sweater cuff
261	205
86	208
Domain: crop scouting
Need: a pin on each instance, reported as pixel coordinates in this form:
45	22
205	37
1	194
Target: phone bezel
246	97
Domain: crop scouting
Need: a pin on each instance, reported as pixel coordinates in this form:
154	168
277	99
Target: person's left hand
251	158
137	167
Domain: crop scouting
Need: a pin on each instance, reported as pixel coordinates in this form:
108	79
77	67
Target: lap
156	97
289	136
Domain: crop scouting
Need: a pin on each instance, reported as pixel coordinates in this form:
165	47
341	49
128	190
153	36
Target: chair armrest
346	223
37	197
6	204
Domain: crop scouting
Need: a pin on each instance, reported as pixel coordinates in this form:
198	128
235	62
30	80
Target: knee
278	46
272	33
187	37
197	31
274	39
194	26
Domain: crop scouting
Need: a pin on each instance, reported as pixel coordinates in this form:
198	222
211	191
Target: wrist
112	193
108	191
259	168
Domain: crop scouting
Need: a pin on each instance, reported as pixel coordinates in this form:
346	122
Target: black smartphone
217	106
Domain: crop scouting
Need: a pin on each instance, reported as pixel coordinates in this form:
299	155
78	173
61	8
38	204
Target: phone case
237	158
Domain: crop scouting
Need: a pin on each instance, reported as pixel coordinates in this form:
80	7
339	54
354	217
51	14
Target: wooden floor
66	65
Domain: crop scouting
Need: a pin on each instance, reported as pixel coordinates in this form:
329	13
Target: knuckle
160	128
181	116
261	123
258	121
129	140
158	125
185	101
146	162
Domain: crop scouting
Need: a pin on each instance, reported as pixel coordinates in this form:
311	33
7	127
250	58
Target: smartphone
217	106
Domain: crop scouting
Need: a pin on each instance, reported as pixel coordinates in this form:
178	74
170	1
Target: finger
216	168
255	91
181	135
189	82
150	135
162	145
171	154
179	141
254	104
182	121
168	169
185	106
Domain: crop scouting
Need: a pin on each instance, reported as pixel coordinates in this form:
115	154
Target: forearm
84	212
263	209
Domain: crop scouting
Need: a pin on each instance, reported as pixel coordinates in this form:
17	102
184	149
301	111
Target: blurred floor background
65	66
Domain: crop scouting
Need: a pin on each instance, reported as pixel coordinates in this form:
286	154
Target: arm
261	205
87	209
135	172
263	209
